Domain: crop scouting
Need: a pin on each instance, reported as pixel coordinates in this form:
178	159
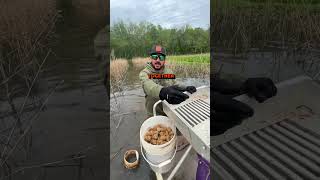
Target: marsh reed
118	74
239	25
139	63
190	70
26	28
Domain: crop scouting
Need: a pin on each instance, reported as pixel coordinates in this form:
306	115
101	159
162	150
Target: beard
157	66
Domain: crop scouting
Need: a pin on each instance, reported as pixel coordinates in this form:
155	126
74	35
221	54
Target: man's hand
190	89
260	88
227	113
173	95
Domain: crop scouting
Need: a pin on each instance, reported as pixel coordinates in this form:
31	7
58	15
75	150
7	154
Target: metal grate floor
284	150
194	112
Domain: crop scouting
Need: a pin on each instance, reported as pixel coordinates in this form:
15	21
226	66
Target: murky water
74	122
277	65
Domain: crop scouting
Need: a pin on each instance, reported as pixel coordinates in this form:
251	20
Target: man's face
157	61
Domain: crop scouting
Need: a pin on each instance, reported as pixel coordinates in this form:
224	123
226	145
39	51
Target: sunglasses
160	56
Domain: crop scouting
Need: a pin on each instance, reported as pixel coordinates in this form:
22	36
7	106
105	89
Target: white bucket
157	154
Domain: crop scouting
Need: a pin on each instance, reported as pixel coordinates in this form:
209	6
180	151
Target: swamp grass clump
139	63
118	77
190	70
24	37
118	73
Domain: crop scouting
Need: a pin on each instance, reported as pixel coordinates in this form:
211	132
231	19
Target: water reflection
277	65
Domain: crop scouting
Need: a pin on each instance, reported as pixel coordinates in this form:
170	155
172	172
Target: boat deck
281	141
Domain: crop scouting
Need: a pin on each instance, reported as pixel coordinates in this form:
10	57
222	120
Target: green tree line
135	39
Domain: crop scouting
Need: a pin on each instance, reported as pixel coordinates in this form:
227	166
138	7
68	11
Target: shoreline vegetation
240	25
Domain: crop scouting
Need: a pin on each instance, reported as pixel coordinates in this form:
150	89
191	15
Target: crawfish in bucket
158	135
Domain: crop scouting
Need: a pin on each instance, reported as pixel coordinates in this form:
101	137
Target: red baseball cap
157	49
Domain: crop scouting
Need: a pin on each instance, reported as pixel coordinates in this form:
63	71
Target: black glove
227	113
260	88
191	89
172	94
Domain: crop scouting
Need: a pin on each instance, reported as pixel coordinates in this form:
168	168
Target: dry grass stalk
139	63
118	75
118	72
25	34
239	27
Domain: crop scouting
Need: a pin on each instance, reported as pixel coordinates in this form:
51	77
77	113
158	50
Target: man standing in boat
158	82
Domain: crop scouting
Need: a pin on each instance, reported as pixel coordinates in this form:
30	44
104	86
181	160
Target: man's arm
150	88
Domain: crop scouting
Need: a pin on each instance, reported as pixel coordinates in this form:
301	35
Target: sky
167	13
